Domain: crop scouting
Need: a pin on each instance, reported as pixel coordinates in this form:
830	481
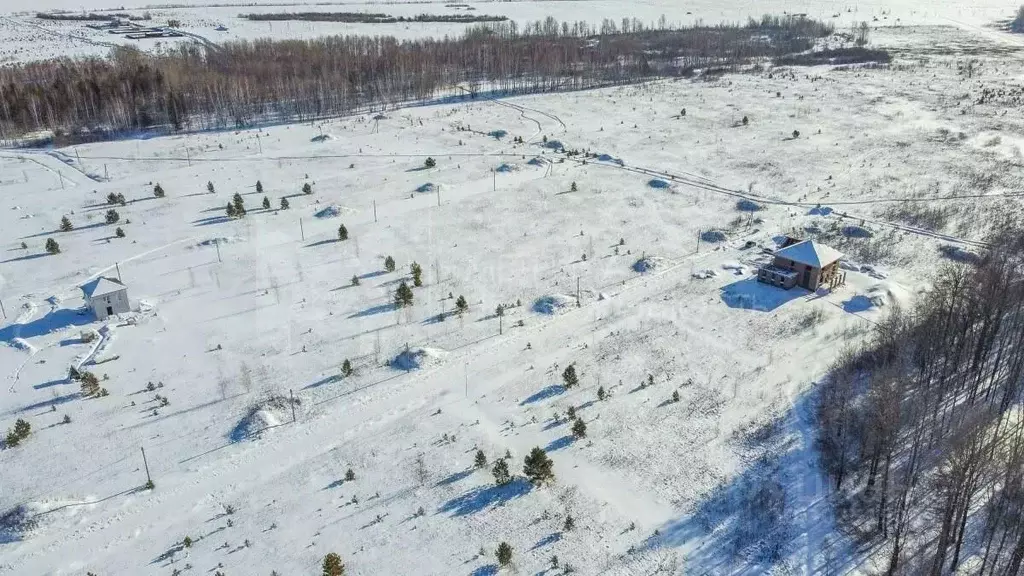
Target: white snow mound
261	416
416	358
332	211
553	303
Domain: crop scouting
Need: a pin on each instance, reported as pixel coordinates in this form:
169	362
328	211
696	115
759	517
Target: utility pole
291	395
217	244
494	176
106	175
501	317
188	158
78	156
118	267
2	309
438	194
149	479
302	231
698	241
61	176
578	304
375	211
260	144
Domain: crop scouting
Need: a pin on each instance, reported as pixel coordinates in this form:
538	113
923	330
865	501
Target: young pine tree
333	565
259	187
569	377
537	467
66	225
230	210
570	523
480	460
346	368
209	187
349	475
284	203
22	428
119	232
307	188
266	203
90	384
579	429
342	232
461	306
430	163
112	216
601	394
501	473
417	274
504	554
158	191
389	264
403	295
12	439
355	280
52	247
675	396
239	203
573	188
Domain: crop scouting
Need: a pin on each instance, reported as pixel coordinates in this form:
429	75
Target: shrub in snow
307	188
355	280
350	475
403	295
745	205
461	305
713	236
537	467
346	367
746	120
675	396
342	232
480	460
430	163
579	429
239	204
333	566
119	232
158	190
259	187
111	216
266	203
573	188
187	542
569	377
569	524
67	419
796	134
284	203
501	473
66	225
389	264
570	413
417	274
504	554
209	187
601	394
230	210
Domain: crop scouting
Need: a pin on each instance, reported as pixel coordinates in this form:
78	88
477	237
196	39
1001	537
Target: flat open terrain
898	167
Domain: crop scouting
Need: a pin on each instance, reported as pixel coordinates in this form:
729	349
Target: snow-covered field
235	316
24	37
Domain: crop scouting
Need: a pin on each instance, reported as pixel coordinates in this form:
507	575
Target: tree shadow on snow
25	257
547	540
544	394
374	310
559	443
56	401
456	477
488	570
750	294
373	274
211	220
749	524
483	497
322	242
54	320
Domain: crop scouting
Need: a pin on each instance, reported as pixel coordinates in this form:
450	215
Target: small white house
106	297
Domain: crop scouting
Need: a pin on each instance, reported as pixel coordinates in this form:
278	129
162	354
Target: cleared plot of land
235	315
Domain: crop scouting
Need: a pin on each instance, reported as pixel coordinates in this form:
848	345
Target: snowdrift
417	358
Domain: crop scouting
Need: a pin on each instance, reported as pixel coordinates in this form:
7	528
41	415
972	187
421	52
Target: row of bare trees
243	83
921	430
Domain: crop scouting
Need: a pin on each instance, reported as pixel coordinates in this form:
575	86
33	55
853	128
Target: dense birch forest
244	83
921	429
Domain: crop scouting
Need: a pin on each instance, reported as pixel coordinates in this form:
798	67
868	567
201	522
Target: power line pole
494	177
698	241
188	158
375	211
61	176
302	230
2	309
291	395
438	194
118	267
578	304
149	479
258	142
217	244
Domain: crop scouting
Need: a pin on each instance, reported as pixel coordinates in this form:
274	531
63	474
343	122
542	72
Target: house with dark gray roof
808	264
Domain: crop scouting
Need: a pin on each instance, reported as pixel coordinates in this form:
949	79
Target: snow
273	314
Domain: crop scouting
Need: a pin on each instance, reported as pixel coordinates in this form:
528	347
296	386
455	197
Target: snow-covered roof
102	286
810	253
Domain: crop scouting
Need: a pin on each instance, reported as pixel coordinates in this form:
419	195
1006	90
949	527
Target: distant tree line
90	16
369	17
244	83
921	429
